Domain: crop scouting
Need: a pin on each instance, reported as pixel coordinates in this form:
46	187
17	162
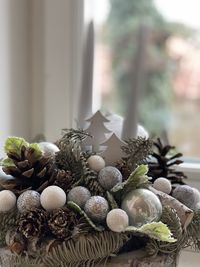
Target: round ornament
96	163
7	200
28	200
53	197
48	148
162	184
97	208
79	195
109	177
142	206
187	195
117	220
197	207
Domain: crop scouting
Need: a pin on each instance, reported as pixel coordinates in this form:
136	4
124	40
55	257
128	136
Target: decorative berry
187	195
117	220
28	200
7	200
109	177
97	208
162	184
79	195
53	197
48	148
96	163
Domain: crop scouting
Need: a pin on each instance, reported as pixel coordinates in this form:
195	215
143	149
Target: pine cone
33	223
122	166
29	170
161	164
62	222
64	179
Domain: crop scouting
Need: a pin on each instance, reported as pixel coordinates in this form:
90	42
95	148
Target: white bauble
117	220
53	197
162	184
96	163
48	148
7	200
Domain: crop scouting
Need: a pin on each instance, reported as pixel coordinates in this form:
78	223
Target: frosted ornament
7	200
113	151
97	208
28	200
142	206
96	163
79	195
52	197
163	185
97	130
48	148
109	176
117	220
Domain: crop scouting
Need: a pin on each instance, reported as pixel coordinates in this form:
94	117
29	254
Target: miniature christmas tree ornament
79	195
117	220
109	177
7	200
53	197
28	200
142	206
97	208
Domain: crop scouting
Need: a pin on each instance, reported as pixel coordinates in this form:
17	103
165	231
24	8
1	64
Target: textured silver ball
79	195
28	200
97	208
117	220
96	163
187	195
142	206
162	184
48	148
53	197
109	177
7	200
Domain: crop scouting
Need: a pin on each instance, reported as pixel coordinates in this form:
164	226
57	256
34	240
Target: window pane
170	89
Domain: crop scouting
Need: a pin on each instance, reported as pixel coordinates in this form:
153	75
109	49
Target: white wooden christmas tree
97	130
113	152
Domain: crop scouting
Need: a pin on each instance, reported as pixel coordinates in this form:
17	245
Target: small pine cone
33	223
64	179
124	169
30	170
62	222
95	188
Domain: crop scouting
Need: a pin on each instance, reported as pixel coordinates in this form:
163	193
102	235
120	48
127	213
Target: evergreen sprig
137	151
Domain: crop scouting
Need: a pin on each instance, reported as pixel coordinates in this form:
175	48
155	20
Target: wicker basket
131	259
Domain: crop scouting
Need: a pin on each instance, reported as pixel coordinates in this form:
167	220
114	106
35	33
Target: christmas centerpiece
92	199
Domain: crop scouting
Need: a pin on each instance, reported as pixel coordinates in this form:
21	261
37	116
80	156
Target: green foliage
86	251
193	232
154	230
36	150
7	162
111	200
137	151
14	145
137	179
15	260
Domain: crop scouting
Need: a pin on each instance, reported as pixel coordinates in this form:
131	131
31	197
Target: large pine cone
61	222
29	170
33	223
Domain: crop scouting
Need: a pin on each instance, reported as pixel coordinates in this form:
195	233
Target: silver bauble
142	206
79	195
187	195
97	208
109	177
28	200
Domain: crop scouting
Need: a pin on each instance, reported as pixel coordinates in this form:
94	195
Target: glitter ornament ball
53	197
79	195
142	206
109	177
96	163
48	148
97	208
187	195
28	200
7	200
117	220
162	184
